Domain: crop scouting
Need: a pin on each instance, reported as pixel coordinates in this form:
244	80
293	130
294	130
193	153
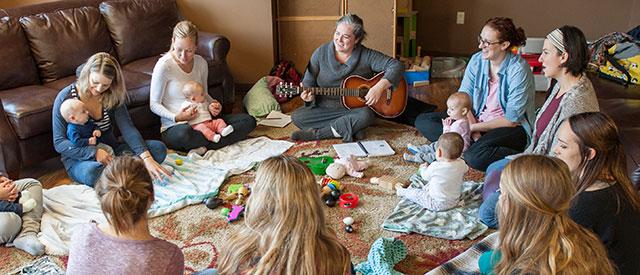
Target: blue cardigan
70	152
516	88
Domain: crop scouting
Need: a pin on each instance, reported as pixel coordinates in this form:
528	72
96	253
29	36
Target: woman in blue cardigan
501	88
100	86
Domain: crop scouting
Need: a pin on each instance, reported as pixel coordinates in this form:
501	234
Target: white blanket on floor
196	179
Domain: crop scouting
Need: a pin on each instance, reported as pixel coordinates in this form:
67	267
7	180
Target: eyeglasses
485	43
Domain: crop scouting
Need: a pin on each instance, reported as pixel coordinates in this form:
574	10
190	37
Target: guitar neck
338	91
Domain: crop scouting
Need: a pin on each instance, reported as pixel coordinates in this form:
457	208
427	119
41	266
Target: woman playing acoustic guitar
324	116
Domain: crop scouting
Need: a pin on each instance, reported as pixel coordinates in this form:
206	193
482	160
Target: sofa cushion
29	115
62	40
61	83
16	64
144	65
140	28
137	87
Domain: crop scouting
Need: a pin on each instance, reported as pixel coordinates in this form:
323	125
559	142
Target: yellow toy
179	162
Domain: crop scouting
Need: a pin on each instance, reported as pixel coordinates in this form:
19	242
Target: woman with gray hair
324	116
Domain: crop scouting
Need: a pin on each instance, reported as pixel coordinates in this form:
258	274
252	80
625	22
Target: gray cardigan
580	98
325	71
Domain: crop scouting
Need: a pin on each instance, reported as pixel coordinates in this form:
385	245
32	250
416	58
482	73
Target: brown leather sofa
43	44
622	104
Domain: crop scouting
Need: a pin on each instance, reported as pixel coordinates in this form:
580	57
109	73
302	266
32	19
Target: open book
367	148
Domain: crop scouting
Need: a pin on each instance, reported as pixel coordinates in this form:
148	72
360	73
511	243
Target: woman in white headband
564	58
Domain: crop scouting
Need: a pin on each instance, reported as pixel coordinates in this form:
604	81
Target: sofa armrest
9	148
213	47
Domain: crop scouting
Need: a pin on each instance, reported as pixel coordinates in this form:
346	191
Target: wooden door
304	25
379	22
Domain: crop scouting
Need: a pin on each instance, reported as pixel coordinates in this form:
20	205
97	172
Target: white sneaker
216	138
226	131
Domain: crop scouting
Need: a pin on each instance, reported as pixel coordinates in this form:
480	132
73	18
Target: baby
444	176
22	203
81	130
212	129
458	105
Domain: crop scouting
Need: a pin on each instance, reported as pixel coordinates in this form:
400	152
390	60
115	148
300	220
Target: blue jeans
487	212
87	172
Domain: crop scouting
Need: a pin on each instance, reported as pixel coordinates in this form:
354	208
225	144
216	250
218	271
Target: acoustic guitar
353	90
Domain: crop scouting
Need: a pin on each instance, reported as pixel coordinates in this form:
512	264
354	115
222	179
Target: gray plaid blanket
467	262
454	224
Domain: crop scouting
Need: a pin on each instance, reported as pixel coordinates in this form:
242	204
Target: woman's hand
306	95
215	108
103	157
186	114
376	92
8	189
155	170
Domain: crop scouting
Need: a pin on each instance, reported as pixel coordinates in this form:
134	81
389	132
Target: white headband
555	37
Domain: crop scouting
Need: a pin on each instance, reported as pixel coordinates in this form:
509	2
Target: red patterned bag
286	71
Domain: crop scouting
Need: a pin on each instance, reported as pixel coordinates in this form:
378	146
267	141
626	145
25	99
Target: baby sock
30	244
26	201
226	131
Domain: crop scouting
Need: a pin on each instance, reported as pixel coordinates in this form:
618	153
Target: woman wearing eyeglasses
500	84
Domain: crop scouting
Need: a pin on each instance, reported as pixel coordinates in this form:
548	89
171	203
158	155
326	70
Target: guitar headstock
288	89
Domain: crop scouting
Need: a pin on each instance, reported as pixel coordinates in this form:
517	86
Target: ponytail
125	192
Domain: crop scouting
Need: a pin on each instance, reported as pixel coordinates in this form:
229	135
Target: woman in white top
179	66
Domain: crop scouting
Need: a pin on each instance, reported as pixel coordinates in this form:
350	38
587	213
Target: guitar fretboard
338	91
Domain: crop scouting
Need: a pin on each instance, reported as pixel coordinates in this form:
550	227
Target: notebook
367	148
275	119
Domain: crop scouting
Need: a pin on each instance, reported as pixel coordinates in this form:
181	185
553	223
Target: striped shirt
104	123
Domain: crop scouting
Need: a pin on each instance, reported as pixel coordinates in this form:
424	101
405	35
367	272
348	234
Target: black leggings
182	137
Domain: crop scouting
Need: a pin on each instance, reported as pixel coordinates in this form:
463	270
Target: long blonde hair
285	229
537	236
125	192
108	66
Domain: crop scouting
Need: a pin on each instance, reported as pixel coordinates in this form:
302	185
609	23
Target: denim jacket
516	89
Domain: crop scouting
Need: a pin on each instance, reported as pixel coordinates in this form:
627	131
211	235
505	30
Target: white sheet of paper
275	119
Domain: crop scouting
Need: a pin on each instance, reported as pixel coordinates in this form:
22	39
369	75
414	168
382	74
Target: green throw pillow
259	101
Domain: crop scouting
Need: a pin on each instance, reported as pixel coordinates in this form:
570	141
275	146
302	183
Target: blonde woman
176	68
124	245
285	230
537	236
101	88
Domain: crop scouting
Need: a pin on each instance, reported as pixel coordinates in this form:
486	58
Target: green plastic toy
318	165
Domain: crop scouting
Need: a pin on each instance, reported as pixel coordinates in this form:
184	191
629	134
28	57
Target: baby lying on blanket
444	176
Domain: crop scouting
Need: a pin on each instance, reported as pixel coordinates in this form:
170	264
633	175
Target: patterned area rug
199	231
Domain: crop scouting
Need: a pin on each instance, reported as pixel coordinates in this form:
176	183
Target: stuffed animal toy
350	166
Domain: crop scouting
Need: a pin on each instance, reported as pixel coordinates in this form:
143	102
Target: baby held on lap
444	176
81	130
458	106
212	129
